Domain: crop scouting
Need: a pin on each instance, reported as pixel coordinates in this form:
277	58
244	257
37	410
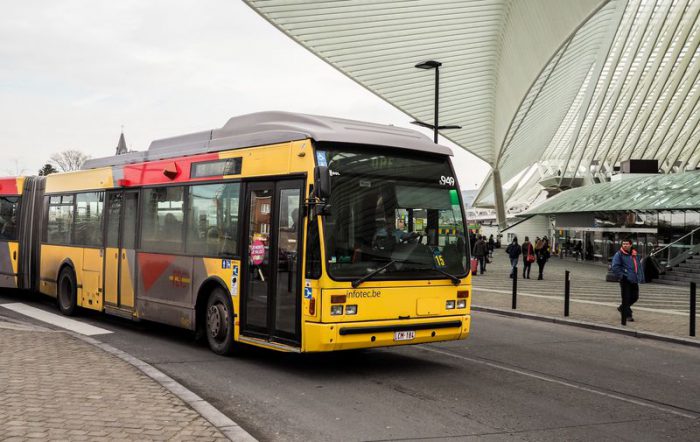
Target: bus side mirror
322	182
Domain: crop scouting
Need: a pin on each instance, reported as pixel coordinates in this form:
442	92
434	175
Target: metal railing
679	250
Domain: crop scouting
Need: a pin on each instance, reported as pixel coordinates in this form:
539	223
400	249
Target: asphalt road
513	379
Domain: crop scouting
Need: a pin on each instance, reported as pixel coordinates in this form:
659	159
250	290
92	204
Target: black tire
219	322
67	292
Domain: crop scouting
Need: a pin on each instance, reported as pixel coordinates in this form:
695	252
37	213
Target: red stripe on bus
8	186
152	267
153	172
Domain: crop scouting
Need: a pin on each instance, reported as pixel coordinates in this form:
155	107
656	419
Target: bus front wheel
219	322
67	292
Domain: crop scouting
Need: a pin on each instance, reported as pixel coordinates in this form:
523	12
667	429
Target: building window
213	219
162	221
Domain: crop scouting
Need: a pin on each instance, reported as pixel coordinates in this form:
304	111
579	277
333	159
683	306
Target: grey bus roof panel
276	127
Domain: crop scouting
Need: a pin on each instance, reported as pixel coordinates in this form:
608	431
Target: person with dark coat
479	252
528	257
543	254
492	244
513	251
578	250
628	270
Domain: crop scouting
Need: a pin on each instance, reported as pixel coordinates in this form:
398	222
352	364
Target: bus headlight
351	309
449	305
461	303
336	310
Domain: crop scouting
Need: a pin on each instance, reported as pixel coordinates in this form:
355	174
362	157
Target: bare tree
15	168
69	160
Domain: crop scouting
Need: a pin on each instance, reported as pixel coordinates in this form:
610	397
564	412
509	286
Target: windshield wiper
359	281
455	280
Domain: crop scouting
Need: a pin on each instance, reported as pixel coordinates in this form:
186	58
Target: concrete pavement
661	309
54	386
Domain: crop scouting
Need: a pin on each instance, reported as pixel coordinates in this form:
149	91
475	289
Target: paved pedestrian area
661	308
54	386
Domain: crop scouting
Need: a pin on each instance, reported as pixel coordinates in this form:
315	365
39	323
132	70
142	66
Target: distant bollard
515	288
567	293
692	309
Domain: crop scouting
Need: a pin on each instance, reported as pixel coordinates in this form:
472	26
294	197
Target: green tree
48	169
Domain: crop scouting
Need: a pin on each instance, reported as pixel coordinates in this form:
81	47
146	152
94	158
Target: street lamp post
432	64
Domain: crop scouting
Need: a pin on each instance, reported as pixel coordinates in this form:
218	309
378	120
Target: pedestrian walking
479	252
542	254
628	270
513	251
528	257
492	244
578	250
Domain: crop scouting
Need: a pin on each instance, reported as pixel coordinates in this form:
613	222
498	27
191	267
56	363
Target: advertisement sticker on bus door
257	252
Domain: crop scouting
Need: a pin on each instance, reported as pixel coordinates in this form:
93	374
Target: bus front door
270	300
120	253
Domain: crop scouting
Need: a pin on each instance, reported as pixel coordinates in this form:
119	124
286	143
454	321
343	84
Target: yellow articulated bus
285	231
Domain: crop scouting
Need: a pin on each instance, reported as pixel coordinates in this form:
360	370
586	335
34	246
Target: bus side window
59	222
88	219
8	217
163	216
313	251
213	219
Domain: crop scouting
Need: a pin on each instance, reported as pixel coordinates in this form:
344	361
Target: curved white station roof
560	90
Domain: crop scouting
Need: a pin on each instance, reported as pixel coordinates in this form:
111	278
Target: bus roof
273	127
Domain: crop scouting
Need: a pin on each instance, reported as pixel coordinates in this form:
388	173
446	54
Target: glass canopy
679	191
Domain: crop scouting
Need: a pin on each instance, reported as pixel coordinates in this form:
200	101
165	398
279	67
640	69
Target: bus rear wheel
219	322
67	292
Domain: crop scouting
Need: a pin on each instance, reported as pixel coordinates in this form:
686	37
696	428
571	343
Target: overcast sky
72	72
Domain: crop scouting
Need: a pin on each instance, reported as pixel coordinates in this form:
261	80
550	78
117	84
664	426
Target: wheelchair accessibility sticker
234	281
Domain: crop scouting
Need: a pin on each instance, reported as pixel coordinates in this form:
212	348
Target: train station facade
557	111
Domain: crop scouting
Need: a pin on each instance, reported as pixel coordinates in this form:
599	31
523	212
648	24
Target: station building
557	97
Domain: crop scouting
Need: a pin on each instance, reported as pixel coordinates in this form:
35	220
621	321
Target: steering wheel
409	237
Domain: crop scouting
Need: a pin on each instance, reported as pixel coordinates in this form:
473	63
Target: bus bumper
352	335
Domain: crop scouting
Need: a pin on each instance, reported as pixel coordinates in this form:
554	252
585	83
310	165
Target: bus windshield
395	207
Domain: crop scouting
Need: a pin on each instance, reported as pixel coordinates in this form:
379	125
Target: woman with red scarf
628	270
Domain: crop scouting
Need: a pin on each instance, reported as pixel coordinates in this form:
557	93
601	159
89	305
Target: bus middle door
120	250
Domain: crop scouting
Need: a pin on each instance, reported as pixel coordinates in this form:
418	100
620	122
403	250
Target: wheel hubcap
64	294
216	320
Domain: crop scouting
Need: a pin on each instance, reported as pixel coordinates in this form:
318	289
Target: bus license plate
404	335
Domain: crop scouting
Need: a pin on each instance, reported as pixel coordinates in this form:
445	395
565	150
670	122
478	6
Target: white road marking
54	319
564	383
582	301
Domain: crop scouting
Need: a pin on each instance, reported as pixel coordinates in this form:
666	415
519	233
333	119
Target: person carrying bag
528	257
